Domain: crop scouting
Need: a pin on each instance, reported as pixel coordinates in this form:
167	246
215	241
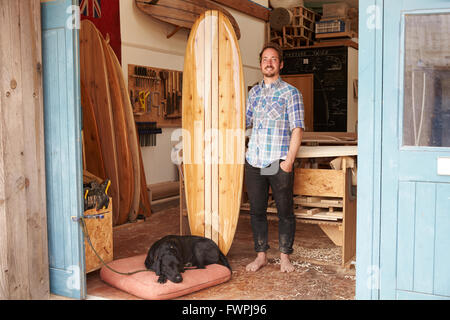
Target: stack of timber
321	208
295	32
111	148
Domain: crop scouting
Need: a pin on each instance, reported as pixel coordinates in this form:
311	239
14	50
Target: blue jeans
257	183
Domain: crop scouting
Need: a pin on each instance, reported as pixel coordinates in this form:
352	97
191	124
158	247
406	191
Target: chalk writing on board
329	67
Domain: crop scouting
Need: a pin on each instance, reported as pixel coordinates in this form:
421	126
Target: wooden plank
318	215
313	211
208	108
349	221
406	227
442	225
231	130
248	7
34	140
193	133
215	124
319	182
334	202
348	34
344	138
335	233
326	151
12	127
331	43
319	204
23	221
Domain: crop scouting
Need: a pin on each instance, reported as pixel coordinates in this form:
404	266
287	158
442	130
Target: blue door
415	168
62	116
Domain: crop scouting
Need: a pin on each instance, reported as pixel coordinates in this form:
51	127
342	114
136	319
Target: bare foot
260	261
286	265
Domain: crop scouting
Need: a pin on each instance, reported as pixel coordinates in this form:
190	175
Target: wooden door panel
305	84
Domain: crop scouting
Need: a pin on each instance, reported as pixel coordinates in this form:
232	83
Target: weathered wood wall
24	272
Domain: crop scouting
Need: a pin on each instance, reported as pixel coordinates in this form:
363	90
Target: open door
415	187
62	116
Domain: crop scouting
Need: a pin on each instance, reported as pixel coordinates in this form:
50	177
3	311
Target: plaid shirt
274	111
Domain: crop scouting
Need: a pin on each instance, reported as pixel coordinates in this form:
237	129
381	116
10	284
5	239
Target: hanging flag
105	14
91	8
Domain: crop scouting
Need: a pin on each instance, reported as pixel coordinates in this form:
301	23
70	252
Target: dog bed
145	284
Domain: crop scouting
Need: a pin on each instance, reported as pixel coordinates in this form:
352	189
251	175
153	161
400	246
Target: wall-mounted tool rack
156	95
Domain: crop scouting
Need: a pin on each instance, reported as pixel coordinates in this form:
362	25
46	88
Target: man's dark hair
274	46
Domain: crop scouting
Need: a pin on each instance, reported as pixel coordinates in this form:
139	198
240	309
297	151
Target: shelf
349	34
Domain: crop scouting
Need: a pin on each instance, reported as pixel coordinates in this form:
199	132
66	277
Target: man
275	109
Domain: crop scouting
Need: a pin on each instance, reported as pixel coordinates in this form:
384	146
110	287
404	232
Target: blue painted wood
369	151
410	295
406	227
413	197
62	116
424	237
442	244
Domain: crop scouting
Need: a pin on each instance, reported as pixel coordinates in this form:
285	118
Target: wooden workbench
331	190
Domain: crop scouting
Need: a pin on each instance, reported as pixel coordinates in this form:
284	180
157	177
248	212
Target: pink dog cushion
145	285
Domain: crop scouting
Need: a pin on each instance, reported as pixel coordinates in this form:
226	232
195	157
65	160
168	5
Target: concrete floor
317	276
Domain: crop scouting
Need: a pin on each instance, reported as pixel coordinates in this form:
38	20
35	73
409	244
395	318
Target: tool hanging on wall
155	95
147	133
143	99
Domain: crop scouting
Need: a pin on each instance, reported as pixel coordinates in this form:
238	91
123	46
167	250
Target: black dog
169	256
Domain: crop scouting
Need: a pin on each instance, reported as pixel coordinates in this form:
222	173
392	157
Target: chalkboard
329	67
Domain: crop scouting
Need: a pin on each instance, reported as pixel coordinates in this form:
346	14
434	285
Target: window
426	116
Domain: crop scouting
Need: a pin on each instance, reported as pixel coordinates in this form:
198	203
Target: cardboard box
338	10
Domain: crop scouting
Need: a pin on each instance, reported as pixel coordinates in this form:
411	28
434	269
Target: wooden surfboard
94	75
132	136
182	13
124	160
92	149
213	128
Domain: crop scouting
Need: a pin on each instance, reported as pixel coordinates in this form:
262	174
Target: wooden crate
299	33
296	37
101	234
303	12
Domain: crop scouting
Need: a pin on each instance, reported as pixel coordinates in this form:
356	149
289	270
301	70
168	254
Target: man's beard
270	73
